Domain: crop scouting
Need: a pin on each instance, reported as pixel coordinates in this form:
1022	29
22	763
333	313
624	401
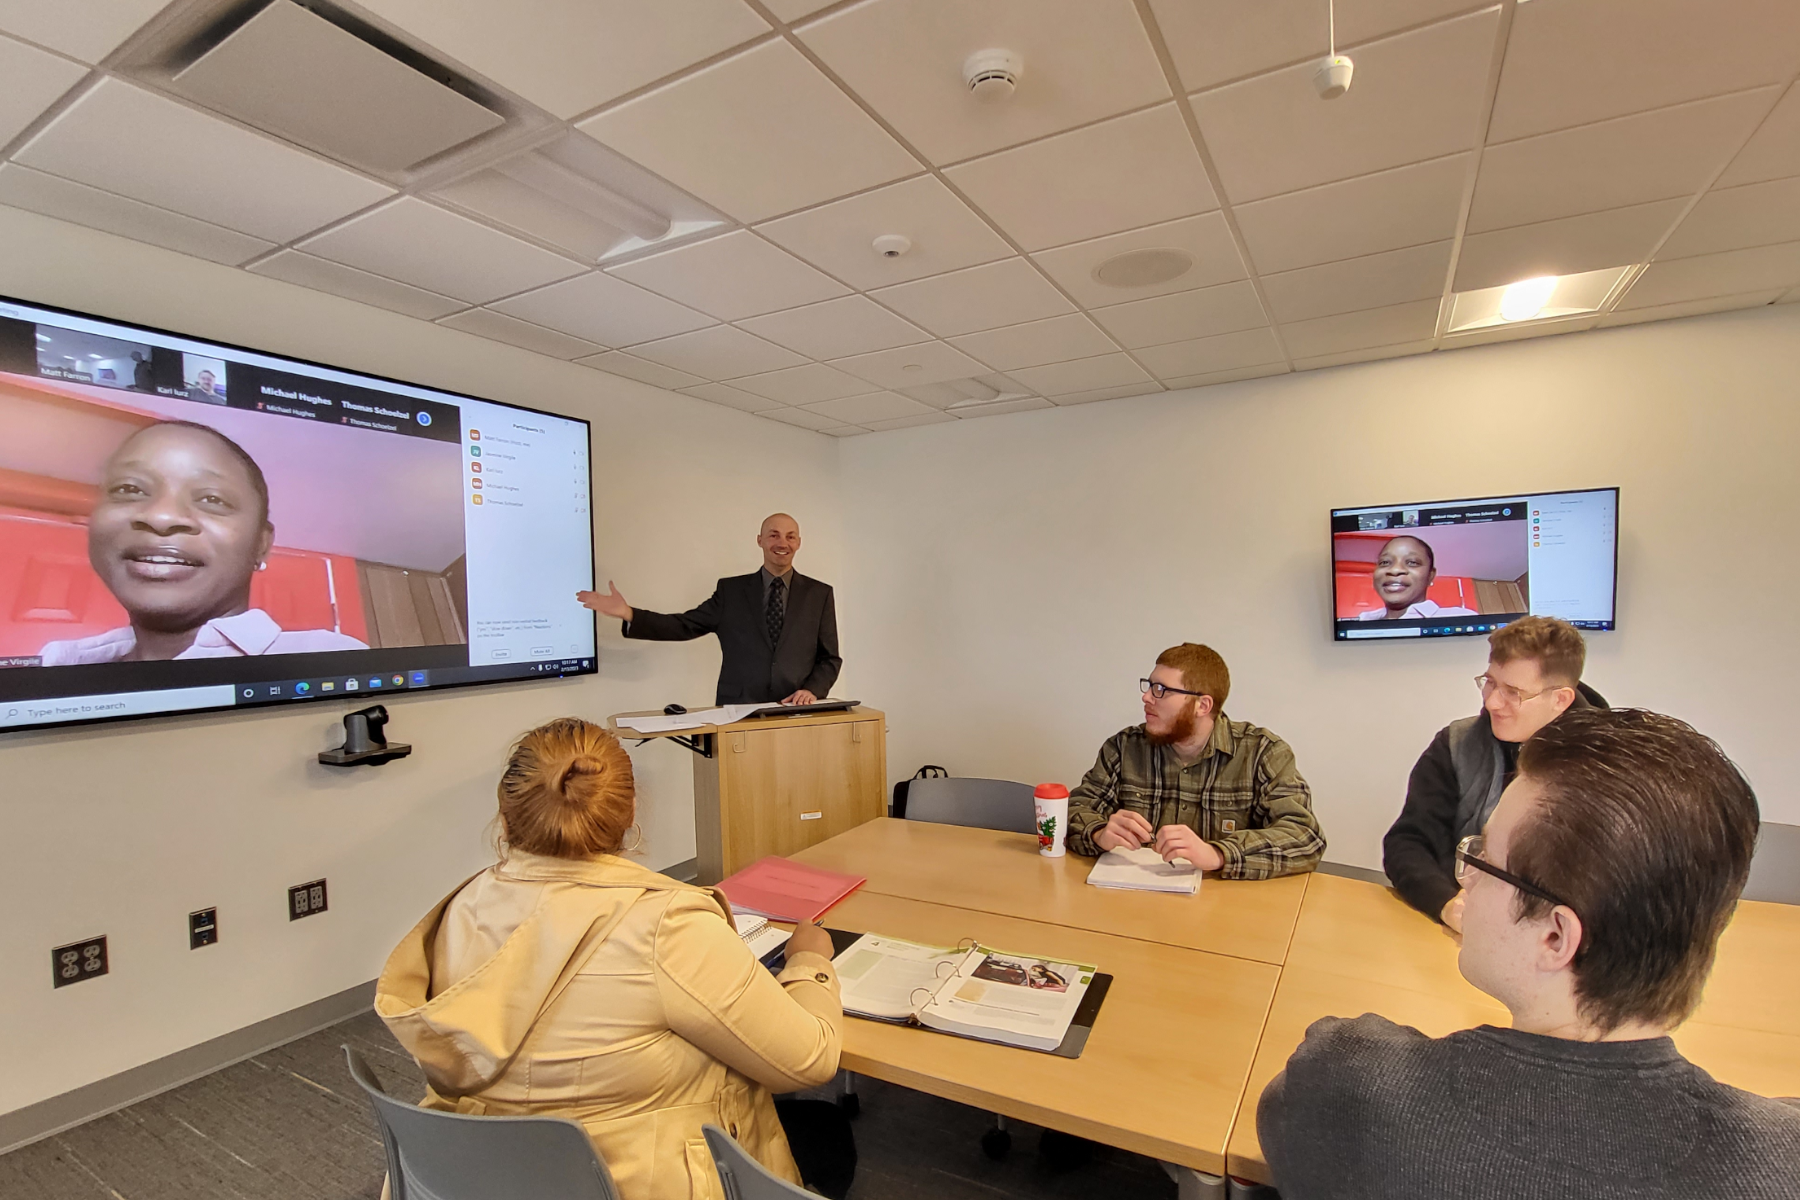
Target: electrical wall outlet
306	899
203	928
78	961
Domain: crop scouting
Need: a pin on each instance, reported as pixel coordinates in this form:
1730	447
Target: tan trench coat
603	992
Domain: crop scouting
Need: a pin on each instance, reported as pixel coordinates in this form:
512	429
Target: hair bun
578	764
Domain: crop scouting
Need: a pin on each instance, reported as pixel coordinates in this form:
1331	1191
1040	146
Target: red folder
781	890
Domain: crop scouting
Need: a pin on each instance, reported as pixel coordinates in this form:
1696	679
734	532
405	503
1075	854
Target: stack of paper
1143	870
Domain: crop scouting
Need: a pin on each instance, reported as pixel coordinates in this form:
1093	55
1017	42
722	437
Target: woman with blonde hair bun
566	980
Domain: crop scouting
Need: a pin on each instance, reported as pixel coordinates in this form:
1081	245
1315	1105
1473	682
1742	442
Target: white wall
125	829
1013	578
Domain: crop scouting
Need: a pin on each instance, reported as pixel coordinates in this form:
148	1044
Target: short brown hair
1555	645
1646	830
1202	670
567	791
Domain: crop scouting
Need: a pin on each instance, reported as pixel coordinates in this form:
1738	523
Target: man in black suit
777	628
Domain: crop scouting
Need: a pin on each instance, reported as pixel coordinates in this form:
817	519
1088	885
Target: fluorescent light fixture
1541	298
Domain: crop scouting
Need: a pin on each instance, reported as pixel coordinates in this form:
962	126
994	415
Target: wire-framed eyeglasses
1468	857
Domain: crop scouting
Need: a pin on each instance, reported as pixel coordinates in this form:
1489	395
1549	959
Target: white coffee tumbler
1051	800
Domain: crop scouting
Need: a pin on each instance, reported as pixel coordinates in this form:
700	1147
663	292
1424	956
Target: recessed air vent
293	73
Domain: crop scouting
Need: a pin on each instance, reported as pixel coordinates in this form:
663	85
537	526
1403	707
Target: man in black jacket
1533	677
777	628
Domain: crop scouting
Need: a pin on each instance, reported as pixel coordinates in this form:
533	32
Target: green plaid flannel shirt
1244	795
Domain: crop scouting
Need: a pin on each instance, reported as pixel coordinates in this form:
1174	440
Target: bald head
780	541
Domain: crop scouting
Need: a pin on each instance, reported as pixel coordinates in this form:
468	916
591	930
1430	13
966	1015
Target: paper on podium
674	722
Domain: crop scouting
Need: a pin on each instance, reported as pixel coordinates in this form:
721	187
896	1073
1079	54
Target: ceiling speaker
1143	268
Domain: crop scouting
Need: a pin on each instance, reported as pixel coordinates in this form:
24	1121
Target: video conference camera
364	743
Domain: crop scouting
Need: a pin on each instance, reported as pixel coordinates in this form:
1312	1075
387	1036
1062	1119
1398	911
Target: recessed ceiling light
1540	298
1143	268
1526	299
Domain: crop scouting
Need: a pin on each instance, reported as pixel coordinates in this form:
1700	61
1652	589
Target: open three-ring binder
971	990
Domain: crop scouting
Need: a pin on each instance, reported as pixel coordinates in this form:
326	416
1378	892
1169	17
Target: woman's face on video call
1402	573
178	529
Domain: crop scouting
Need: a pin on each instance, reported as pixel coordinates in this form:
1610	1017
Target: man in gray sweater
1592	905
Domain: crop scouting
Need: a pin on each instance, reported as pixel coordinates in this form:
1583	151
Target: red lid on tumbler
1051	791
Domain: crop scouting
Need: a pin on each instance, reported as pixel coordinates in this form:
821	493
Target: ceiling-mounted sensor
1332	76
993	74
892	245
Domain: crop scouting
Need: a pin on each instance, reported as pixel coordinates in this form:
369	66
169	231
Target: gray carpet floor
290	1125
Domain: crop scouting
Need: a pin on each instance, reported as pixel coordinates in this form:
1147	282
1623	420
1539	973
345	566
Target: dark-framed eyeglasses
1468	857
1159	690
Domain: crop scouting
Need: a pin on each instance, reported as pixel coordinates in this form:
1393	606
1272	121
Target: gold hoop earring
623	849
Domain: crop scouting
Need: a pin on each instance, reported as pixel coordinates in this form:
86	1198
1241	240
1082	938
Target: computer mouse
674	709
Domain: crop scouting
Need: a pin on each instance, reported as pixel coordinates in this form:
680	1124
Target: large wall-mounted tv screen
187	525
1459	567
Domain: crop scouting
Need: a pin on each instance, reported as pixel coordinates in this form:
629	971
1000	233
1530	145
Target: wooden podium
776	785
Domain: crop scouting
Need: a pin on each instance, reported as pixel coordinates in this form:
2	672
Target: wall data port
306	899
203	928
78	961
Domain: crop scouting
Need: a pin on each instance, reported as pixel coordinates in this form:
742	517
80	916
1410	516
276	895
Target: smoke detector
892	245
992	74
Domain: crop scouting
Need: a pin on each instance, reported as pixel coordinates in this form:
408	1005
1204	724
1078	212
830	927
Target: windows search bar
1415	631
15	714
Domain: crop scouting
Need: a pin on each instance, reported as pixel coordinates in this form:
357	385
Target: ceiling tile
1409	206
1003	407
1117	175
837	328
422	244
737	275
927	418
34	81
805	385
1212	377
1184	315
323	275
789	11
24	188
1008	292
84	29
1688	308
910	366
945	233
1773	151
1205	239
571	55
1211	355
1082	375
604	310
501	328
1213	41
1083	60
1631	160
1373	281
125	140
1417	96
877	406
1756	214
1567	246
801	417
1122	392
1367	354
1057	339
723	393
721	352
617	362
842	431
760	134
1792	297
1757	269
1358	330
1572	63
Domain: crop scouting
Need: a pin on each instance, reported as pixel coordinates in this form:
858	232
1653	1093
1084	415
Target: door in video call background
1462	567
410	538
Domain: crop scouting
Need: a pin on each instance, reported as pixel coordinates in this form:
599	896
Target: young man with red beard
1224	795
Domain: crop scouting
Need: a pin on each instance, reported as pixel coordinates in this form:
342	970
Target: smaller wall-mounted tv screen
1460	567
188	525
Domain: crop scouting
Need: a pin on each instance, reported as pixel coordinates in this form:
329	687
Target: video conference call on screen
189	526
1470	566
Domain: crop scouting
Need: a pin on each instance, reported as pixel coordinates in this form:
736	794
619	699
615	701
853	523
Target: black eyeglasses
1468	854
1159	690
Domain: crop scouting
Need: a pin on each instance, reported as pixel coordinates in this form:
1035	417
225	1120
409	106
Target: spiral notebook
971	991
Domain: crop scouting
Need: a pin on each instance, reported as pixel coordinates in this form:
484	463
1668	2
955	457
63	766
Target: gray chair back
453	1156
980	803
745	1178
1775	871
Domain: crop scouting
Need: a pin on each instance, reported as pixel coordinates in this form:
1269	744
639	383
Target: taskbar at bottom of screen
376	684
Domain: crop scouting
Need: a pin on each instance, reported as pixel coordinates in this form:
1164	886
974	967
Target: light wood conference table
1003	873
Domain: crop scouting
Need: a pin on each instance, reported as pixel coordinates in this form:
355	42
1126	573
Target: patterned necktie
777	611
